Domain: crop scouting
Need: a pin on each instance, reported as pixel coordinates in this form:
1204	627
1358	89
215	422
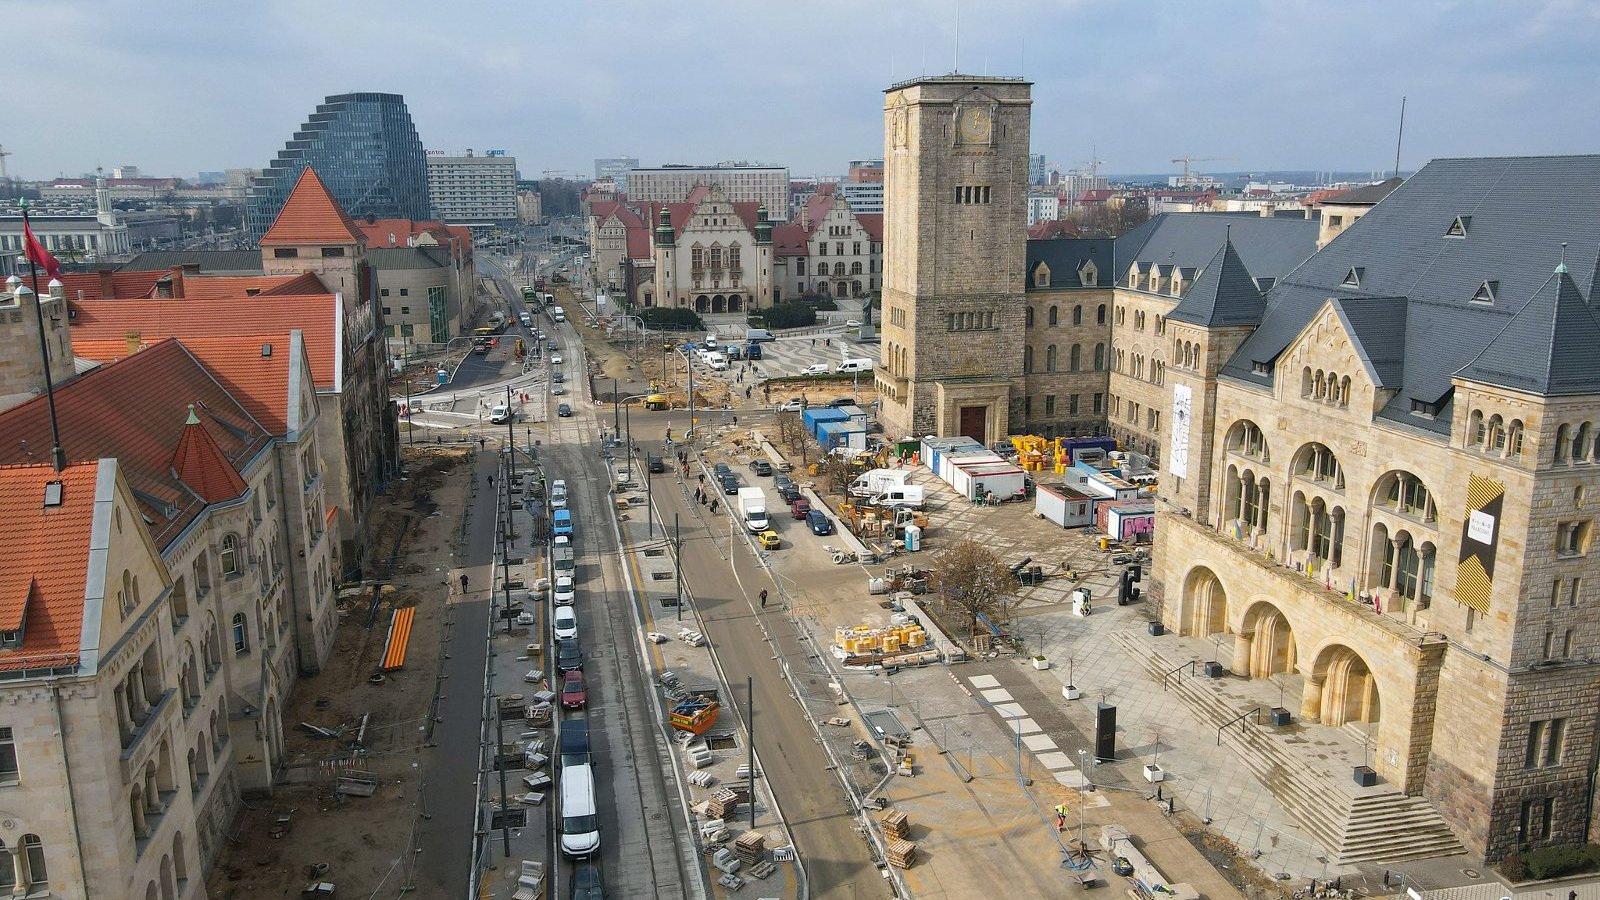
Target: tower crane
1186	159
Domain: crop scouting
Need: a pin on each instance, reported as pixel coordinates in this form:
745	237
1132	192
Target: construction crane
1186	159
550	173
1093	163
3	154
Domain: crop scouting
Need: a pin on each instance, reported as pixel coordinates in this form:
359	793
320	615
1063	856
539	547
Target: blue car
561	522
819	522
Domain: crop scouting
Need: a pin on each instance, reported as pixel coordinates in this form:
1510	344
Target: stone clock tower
955	241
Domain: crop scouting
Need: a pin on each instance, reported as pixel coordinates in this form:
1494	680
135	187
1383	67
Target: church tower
955	246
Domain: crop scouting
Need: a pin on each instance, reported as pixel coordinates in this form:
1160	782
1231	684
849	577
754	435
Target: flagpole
58	457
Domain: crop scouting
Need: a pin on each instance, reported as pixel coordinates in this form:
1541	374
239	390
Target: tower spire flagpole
37	256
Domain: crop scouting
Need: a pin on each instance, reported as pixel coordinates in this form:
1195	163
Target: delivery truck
753	507
870	484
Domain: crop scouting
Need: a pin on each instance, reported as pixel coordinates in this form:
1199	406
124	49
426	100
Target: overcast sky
179	87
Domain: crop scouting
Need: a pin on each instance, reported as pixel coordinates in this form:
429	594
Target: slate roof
1547	348
134	411
390	258
1365	195
44	573
1269	248
230	262
1377	326
311	216
1065	255
1223	295
1522	209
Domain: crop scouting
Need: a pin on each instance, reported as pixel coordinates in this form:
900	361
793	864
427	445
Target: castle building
955	228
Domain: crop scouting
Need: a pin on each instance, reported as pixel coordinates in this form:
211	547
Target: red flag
37	254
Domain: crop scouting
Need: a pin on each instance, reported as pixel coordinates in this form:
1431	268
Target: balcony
137	748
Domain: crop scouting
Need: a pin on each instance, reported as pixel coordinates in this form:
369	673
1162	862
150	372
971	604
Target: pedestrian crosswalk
987	689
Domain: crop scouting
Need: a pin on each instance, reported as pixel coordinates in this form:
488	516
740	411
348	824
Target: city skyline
1263	86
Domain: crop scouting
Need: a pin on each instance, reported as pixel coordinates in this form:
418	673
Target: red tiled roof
124	285
312	216
134	410
200	465
789	239
872	224
379	232
1097	195
260	383
45	569
1052	228
212	287
316	315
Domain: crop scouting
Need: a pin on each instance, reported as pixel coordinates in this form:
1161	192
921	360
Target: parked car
761	467
853	323
818	522
555	359
558	377
787	489
729	483
842	401
752	351
565	623
800	509
564	591
573	693
564	411
721	469
791	406
586	884
768	540
569	656
816	369
558	492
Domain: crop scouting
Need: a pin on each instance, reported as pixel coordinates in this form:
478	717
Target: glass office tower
364	148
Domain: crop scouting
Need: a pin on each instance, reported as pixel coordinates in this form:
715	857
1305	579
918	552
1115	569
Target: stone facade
1067	324
717	262
21	368
955	226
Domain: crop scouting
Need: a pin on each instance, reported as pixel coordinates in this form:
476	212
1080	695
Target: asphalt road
810	796
449	770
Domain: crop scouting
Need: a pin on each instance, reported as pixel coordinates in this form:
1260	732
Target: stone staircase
1353	823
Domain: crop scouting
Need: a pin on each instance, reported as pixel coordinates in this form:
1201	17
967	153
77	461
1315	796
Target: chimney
175	274
108	287
132	340
805	216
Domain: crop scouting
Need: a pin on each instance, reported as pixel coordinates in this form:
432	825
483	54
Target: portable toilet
913	538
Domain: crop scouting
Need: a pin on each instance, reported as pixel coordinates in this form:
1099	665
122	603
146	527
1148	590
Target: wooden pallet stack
902	853
895	825
722	804
750	847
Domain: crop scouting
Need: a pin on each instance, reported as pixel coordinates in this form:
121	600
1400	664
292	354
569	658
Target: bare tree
789	429
970	580
836	472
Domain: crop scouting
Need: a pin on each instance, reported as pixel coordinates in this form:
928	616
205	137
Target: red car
573	693
799	508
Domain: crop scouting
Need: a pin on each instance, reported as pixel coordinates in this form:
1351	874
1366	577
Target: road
810	795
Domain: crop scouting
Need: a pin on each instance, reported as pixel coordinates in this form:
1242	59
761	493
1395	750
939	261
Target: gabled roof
241	262
1052	228
44	571
1547	348
210	287
317	315
789	239
1224	294
311	216
200	464
1270	248
1377	329
1366	195
256	376
872	224
124	285
134	411
1066	258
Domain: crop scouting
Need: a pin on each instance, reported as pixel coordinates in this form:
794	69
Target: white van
717	362
580	819
855	365
499	414
907	495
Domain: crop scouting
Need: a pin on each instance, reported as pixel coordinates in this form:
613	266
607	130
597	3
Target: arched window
230	555
1027	360
1475	429
1495	435
1514	439
1580	444
1055	316
1563	438
1027	317
33	861
1344	391
1245	438
1405	494
1099	355
1050	358
855	268
1074	358
1315	462
1077	314
1100	315
241	634
838	270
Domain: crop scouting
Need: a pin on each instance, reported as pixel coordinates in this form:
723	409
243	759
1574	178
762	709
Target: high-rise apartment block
615	169
365	149
765	185
473	190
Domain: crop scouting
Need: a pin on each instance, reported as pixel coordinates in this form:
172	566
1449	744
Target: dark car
558	377
787	489
761	467
569	656
552	346
819	522
842	401
586	884
721	469
752	351
564	410
573	693
656	464
730	483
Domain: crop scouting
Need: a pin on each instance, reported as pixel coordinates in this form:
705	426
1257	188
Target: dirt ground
363	841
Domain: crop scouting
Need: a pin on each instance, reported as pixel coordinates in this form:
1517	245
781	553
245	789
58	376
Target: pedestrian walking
763	598
1061	817
702	478
463	582
713	505
813	342
697	494
703	499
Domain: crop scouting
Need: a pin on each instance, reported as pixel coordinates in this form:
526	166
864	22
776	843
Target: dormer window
1486	292
1352	279
1261	368
10	640
1424	410
1041	276
1458	228
1088	273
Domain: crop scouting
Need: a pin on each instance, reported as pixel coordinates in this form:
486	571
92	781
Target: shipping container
1002	479
1127	520
1063	505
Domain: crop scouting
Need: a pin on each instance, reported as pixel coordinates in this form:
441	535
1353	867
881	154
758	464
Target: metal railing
1241	720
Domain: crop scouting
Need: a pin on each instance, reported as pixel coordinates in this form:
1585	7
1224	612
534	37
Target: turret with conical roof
664	233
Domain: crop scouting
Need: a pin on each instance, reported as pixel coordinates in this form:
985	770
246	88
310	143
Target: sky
176	88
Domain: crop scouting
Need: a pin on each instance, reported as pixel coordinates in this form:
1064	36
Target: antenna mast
1399	137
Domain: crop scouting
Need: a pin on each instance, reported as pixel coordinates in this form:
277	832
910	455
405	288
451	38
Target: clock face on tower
975	126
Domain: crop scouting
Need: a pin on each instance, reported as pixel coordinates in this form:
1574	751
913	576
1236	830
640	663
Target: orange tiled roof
124	285
200	465
134	410
211	287
316	315
312	216
45	569
260	383
872	224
